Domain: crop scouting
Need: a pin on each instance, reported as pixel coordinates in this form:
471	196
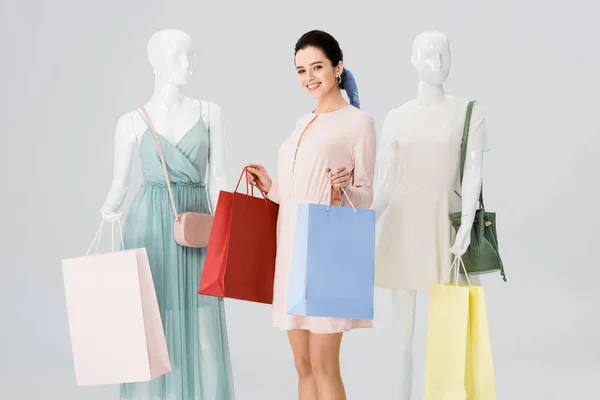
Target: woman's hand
339	178
258	177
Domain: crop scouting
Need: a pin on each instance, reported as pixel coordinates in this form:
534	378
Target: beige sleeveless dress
416	234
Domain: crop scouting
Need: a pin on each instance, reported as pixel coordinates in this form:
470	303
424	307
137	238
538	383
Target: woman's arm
363	150
273	193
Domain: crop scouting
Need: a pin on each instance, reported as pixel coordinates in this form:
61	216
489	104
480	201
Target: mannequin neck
430	95
166	96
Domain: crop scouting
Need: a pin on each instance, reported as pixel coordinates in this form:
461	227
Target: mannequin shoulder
203	106
462	103
478	109
211	107
130	124
399	110
404	106
209	111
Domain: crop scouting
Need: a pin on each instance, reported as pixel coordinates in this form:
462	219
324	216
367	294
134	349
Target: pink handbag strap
162	159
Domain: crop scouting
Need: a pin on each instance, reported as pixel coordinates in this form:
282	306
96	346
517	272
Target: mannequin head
170	54
319	64
431	57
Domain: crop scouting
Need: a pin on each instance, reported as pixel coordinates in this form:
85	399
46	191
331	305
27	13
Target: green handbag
482	256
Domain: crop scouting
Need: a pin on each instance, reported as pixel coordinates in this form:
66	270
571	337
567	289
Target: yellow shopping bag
458	359
479	373
446	346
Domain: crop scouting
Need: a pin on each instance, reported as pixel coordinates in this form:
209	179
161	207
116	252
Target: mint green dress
194	325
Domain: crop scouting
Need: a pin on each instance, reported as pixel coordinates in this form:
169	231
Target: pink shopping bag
114	321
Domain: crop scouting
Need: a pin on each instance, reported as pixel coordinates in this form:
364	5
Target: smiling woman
331	147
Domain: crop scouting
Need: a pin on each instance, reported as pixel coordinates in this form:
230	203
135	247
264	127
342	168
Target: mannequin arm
387	178
471	187
387	159
363	152
472	179
217	179
125	142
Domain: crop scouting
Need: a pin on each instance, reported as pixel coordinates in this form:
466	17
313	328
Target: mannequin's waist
174	184
424	189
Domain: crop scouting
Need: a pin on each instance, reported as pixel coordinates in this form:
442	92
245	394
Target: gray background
69	69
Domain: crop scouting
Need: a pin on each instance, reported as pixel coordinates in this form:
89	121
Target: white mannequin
170	55
431	59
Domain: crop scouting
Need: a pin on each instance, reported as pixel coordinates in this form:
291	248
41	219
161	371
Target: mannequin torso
431	59
413	250
173	115
172	125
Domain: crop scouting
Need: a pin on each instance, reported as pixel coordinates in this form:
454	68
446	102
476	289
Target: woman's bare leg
307	386
325	362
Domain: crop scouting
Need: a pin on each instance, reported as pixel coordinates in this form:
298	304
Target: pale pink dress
342	138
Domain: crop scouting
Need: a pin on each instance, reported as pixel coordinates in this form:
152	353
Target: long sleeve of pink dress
273	194
363	151
342	138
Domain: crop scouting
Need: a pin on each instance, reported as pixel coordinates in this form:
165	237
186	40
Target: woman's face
316	75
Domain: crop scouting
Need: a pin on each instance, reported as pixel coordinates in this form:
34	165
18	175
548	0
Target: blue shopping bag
333	262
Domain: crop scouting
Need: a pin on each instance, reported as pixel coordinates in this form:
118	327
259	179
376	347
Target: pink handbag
191	229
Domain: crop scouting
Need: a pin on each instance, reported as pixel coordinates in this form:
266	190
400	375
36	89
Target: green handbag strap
463	148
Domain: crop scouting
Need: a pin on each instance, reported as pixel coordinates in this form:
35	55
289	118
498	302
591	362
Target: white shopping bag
114	321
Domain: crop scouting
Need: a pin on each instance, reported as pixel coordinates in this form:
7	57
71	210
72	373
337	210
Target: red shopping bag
240	258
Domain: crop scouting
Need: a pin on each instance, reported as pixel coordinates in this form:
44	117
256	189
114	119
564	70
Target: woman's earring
338	80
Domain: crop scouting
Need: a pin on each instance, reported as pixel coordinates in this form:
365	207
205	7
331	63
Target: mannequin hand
340	177
258	177
462	241
110	216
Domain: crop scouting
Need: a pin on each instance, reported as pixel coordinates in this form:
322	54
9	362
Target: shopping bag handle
455	264
99	235
341	191
248	185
